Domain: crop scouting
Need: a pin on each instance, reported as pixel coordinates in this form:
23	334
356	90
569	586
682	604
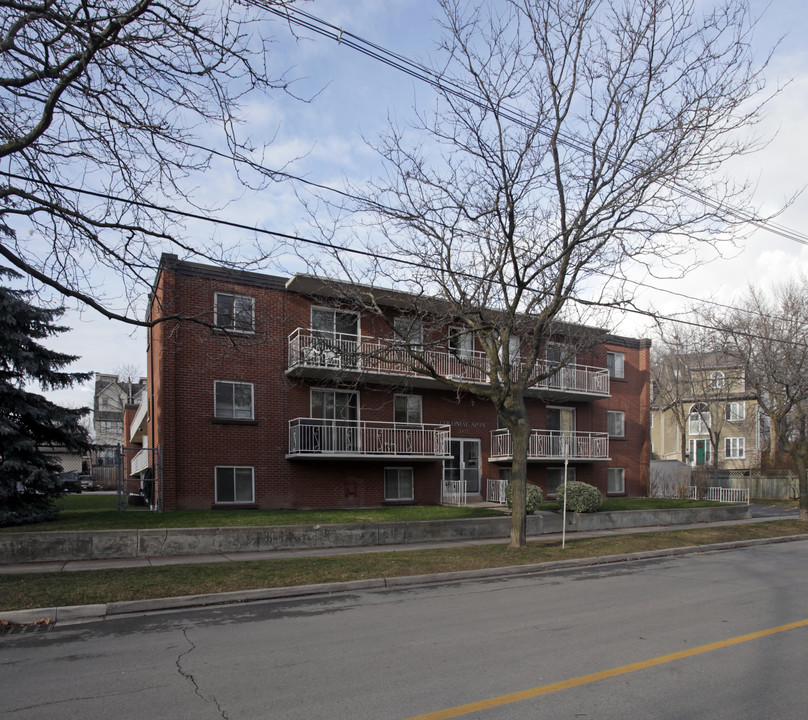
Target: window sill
234	506
233	421
399	502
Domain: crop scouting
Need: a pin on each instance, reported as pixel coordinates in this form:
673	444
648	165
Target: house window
409	332
735	411
110	427
717	380
735	448
616	480
699	421
233	400
461	342
398	483
616	363
555	477
616	423
234	485
235	312
407	409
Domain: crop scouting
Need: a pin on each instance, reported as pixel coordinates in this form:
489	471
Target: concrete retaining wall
81	545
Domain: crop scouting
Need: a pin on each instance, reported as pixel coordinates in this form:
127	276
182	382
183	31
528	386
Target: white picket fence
720	494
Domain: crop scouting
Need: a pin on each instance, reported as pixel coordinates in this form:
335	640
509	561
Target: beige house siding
665	435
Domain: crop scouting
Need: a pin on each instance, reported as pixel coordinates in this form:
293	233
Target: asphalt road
590	643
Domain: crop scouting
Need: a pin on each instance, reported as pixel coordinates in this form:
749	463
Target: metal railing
339	351
495	491
314	436
454	492
553	445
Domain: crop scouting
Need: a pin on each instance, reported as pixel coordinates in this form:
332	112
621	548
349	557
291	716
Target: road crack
190	678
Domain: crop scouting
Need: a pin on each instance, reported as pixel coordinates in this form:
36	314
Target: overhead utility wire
376	256
425	74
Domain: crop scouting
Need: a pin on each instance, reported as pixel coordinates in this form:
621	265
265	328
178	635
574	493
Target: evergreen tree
28	421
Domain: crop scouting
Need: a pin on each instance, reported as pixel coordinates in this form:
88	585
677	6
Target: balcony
138	426
552	445
141	461
313	438
314	355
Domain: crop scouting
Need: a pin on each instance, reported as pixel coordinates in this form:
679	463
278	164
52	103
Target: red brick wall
185	359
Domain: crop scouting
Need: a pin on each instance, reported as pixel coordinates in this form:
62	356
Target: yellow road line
460	710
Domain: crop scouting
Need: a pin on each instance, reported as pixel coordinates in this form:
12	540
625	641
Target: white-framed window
616	363
407	409
717	380
651	420
734	448
234	484
110	427
409	332
233	400
616	423
235	312
555	477
699	420
616	480
461	342
735	411
399	483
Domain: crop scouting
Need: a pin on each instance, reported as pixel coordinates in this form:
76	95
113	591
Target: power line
370	254
437	80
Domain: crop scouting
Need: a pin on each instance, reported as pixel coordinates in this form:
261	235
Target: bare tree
571	140
101	107
767	335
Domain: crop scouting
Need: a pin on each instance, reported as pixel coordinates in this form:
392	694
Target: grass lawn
90	511
100	586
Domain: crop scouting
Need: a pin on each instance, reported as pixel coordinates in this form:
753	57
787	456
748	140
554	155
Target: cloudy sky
353	97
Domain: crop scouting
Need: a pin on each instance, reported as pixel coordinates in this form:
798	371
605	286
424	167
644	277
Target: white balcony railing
335	351
553	445
496	491
140	416
313	437
141	461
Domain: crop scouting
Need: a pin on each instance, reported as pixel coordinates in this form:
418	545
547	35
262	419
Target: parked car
69	482
87	482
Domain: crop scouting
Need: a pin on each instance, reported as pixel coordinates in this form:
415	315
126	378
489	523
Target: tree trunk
520	436
514	417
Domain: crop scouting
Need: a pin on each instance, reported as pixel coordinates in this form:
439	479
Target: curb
101	611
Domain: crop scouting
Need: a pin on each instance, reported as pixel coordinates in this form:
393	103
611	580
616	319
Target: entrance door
464	464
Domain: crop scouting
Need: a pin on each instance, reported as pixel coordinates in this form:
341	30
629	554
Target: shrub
532	502
581	497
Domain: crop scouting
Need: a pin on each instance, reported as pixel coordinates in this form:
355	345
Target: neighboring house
702	414
306	403
112	396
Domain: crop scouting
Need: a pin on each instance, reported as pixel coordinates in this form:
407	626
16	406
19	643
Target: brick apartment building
305	403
